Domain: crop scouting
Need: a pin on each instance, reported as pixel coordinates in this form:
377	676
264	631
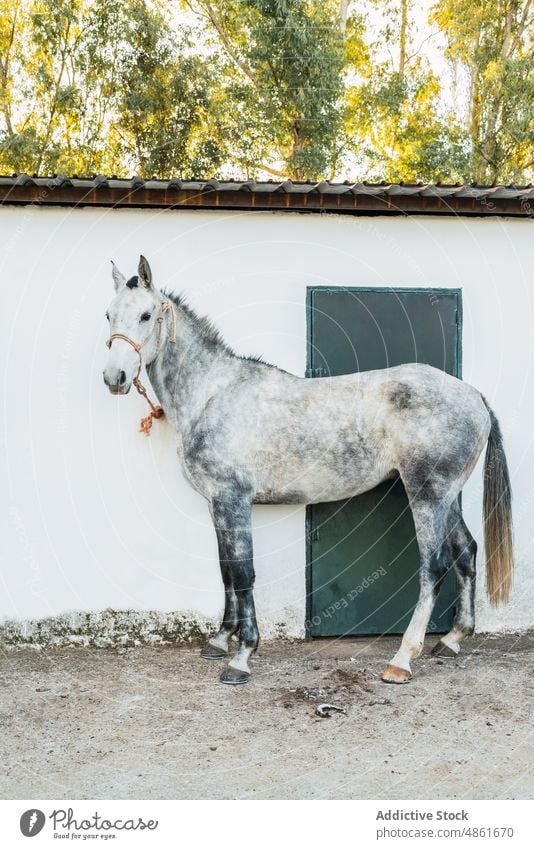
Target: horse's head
133	318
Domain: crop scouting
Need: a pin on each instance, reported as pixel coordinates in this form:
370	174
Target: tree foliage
300	89
393	108
102	87
493	41
283	69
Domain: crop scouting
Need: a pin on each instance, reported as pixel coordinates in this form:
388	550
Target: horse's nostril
122	378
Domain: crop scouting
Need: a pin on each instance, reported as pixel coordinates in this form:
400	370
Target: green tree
492	41
165	112
101	87
10	23
281	83
393	114
32	85
306	89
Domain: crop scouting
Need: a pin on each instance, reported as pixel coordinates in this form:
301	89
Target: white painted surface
95	515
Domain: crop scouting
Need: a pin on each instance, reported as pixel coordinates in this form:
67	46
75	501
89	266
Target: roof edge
347	198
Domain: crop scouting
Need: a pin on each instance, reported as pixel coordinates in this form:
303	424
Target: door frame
458	363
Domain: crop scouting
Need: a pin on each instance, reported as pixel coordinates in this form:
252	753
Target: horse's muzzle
117	382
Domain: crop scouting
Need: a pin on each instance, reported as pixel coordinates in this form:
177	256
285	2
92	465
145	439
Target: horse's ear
118	278
144	272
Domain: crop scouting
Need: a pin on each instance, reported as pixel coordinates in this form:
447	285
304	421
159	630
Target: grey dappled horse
250	433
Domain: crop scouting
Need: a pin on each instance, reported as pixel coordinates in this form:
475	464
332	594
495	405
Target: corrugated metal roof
355	198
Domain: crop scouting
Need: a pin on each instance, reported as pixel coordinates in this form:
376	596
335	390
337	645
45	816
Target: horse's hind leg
232	518
463	554
430	518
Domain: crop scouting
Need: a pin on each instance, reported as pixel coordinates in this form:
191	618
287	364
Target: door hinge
314	535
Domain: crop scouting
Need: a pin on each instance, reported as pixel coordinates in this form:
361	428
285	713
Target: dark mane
207	329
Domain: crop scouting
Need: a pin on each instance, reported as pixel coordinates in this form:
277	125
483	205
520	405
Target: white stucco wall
94	515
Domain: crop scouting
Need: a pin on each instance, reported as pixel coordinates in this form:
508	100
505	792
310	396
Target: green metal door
363	559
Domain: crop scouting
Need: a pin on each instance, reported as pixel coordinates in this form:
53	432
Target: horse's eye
145	316
107	316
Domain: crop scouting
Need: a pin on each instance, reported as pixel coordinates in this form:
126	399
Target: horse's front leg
217	646
232	519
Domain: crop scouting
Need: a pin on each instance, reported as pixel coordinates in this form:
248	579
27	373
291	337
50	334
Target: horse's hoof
395	675
443	650
209	652
234	676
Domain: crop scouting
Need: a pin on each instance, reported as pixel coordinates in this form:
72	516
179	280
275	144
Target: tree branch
521	28
227	44
53	109
4	74
249	164
403	36
416	52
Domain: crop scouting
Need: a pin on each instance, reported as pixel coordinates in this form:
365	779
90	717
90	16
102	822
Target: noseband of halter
156	412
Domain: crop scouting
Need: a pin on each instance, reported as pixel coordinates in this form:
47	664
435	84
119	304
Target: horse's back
324	439
361	428
401	397
417	392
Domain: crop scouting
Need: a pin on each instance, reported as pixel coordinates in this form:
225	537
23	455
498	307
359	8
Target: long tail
498	528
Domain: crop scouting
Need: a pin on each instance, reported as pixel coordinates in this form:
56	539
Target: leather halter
156	411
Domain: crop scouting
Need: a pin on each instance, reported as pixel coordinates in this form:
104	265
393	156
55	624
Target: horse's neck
179	372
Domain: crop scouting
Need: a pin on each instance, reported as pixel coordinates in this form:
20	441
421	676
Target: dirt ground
154	723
